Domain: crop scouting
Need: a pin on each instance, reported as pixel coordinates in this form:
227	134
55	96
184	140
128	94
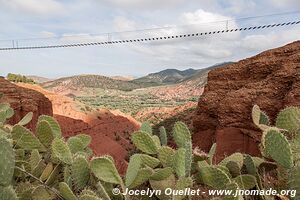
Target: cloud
260	42
241	6
123	24
188	49
285	3
201	16
44	7
145	4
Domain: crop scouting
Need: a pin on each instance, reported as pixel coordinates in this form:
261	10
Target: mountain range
164	77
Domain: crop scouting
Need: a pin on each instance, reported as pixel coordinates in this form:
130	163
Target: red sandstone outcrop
270	79
110	130
24	100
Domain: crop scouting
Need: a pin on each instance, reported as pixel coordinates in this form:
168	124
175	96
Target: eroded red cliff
24	100
270	79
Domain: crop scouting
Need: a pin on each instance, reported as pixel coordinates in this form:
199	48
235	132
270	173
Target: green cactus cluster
43	165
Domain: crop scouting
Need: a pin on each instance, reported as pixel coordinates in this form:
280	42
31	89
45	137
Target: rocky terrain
110	130
270	79
23	101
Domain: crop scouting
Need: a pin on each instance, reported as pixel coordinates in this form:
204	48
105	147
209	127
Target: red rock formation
270	79
110	130
24	100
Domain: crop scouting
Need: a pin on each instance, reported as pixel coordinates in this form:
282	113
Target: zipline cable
150	39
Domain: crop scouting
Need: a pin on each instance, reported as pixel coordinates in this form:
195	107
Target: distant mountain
39	79
89	81
168	76
122	78
200	77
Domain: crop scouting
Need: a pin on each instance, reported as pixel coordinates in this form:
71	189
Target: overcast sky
67	21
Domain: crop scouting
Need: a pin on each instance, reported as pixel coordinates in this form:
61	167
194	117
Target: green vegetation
17	78
94	81
45	166
127	102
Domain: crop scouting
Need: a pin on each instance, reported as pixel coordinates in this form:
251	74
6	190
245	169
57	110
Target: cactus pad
245	181
161	173
61	151
236	157
80	171
7	163
8	193
47	171
75	144
289	119
26	119
163	136
278	147
25	139
294	181
144	142
149	160
134	165
143	175
165	155
66	192
53	124
105	170
211	153
146	127
44	133
179	162
181	134
213	177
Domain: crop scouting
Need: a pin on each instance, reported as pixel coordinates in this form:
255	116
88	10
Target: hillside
39	79
200	77
88	81
168	76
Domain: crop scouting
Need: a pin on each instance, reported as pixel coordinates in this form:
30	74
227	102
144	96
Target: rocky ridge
270	79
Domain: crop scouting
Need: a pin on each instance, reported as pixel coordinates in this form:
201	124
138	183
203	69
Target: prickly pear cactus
294	181
245	181
7	193
163	136
102	192
7	164
80	171
143	175
213	177
134	165
179	162
181	134
165	155
61	151
44	133
53	124
75	144
47	171
66	192
149	160
278	147
236	157
260	119
146	127
211	153
161	173
26	119
104	169
25	139
289	119
144	142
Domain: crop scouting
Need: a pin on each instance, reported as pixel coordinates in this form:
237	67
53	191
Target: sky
50	22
